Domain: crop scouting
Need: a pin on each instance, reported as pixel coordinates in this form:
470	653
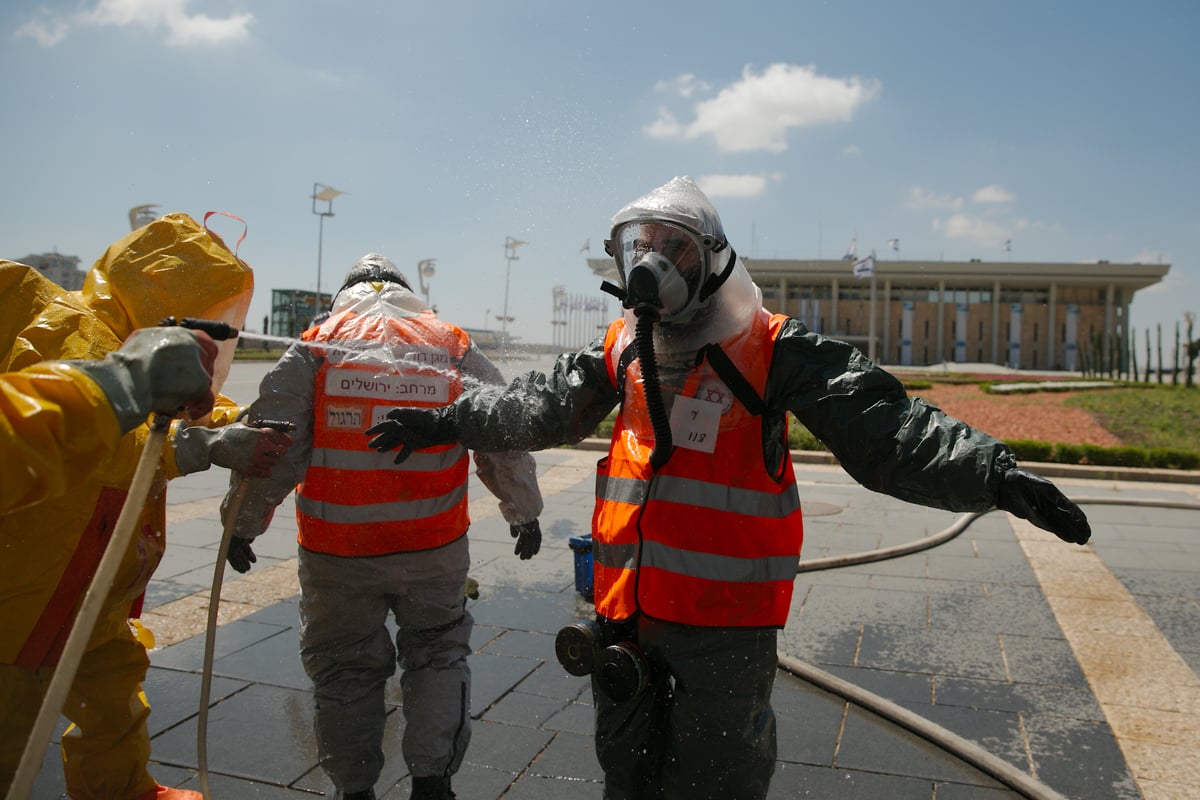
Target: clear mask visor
683	248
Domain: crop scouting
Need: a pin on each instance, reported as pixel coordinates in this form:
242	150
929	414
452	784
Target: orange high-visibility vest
353	500
710	539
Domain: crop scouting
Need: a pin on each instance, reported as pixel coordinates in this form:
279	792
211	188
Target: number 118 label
694	424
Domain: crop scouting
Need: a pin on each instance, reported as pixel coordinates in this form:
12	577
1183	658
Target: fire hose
968	751
214	602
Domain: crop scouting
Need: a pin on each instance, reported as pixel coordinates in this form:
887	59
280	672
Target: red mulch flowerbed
1041	416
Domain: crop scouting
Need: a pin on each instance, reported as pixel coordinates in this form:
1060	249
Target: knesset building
1028	315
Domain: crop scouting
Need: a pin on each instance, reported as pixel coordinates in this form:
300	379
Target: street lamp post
322	194
425	270
510	255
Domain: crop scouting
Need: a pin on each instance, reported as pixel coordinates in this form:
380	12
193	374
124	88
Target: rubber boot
437	788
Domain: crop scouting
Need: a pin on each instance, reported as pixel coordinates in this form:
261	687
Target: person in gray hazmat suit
376	536
697	527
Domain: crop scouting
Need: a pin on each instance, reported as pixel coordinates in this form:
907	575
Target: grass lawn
1158	416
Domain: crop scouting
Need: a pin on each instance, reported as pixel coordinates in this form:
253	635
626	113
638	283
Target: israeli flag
865	268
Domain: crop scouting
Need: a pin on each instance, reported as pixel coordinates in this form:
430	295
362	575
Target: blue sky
1068	128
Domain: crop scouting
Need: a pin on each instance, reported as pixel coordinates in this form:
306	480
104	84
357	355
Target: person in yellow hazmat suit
171	267
61	420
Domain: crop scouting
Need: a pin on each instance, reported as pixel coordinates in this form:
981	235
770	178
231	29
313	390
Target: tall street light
322	194
425	270
510	255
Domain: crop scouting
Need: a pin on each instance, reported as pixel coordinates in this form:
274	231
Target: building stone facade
1027	315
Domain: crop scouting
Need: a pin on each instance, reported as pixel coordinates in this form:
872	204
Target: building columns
941	322
885	353
996	323
1051	327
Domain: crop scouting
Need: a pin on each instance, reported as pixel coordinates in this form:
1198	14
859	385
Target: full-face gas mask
666	265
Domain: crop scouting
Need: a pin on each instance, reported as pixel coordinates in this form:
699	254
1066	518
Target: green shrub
800	438
1114	456
1068	454
1031	450
1168	458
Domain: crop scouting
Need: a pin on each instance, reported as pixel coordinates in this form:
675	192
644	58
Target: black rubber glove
412	429
240	555
529	539
1036	499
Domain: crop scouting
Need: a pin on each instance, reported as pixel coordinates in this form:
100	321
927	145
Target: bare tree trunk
1175	358
1148	362
1160	374
1190	351
1132	374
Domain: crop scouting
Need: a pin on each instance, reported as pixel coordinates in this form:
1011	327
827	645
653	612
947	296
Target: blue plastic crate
581	546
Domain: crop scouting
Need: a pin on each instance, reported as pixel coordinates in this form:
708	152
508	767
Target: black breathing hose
643	339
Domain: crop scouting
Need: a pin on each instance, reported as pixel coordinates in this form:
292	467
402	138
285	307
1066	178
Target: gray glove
529	539
240	555
239	447
1036	499
162	370
413	429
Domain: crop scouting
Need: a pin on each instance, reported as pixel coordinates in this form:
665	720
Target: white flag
852	253
865	268
894	244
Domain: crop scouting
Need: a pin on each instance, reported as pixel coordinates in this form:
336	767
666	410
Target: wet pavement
1075	665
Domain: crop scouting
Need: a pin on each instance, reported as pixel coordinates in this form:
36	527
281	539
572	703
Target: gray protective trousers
347	651
703	729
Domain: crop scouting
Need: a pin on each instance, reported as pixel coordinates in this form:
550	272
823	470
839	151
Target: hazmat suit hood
25	292
722	299
374	296
171	268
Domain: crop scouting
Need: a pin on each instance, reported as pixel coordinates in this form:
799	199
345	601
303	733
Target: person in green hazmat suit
697	524
171	267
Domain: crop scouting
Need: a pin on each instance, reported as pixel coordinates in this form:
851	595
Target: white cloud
975	230
735	185
756	112
183	29
992	194
852	150
684	85
47	30
666	126
921	200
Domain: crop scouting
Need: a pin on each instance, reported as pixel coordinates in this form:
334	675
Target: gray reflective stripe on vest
615	556
364	460
729	569
620	490
400	511
702	494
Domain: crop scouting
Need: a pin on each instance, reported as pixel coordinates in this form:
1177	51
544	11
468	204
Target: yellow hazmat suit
51	416
48	551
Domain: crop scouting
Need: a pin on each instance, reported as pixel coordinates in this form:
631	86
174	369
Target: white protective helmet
674	236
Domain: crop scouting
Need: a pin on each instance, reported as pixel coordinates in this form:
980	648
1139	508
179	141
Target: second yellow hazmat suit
48	551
